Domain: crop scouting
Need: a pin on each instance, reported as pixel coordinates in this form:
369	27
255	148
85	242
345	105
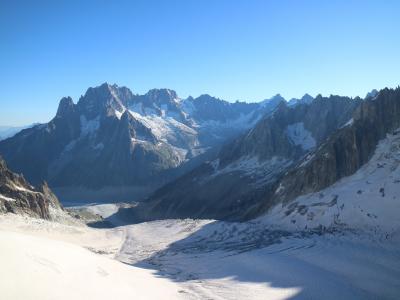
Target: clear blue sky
248	50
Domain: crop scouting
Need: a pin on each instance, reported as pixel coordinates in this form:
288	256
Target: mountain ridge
217	189
114	138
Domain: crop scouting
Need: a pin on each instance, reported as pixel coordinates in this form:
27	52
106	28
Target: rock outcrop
19	197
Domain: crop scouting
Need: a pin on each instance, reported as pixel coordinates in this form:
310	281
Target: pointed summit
162	95
65	107
104	97
273	101
372	94
306	98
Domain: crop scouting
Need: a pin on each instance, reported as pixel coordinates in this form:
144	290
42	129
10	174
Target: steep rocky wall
341	155
19	197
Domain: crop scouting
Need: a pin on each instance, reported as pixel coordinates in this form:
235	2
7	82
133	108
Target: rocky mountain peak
66	106
161	102
98	99
307	98
162	96
372	94
273	101
18	196
277	97
206	98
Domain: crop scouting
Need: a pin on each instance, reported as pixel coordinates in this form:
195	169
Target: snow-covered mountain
247	169
116	144
368	200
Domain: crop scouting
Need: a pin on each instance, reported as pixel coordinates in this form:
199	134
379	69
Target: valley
272	212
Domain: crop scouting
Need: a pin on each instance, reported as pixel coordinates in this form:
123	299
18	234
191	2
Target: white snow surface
165	128
7	198
259	170
89	126
300	136
38	267
20	188
192	259
348	123
187	106
243	121
367	200
104	210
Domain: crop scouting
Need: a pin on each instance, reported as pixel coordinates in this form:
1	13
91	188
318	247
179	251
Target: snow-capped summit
113	142
160	102
275	100
97	100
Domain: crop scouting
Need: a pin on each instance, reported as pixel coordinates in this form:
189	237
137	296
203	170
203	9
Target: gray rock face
115	139
246	170
18	196
342	154
306	99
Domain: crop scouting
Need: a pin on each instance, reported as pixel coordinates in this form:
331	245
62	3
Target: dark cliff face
346	133
86	144
32	150
19	197
208	108
342	154
247	169
269	137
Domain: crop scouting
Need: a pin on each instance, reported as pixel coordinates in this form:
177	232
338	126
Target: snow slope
35	266
340	243
300	136
219	260
40	268
369	200
193	259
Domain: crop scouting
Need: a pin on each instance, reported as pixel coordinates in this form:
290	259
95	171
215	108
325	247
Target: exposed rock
19	197
342	154
113	140
246	170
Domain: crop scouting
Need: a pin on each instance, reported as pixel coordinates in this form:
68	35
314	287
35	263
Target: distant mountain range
10	131
199	157
296	150
120	145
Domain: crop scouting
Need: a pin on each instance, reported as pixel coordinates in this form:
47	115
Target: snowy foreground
340	243
173	260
